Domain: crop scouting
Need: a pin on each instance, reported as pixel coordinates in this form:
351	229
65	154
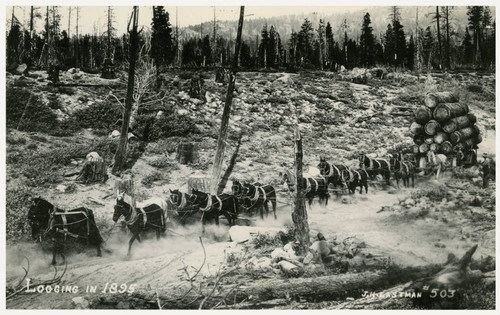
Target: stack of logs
444	125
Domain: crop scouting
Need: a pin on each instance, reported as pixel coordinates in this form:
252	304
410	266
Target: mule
152	215
404	170
259	196
63	226
332	172
358	178
313	186
215	206
376	167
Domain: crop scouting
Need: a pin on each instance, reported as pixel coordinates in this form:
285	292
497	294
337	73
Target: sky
93	16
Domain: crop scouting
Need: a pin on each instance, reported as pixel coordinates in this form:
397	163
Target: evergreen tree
263	47
367	43
475	17
467	48
410	55
246	59
272	48
428	46
206	49
13	44
321	43
330	46
162	47
305	42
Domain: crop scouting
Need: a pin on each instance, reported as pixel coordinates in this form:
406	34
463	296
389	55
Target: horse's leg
217	219
54	252
266	206
136	235
366	186
273	203
158	234
99	252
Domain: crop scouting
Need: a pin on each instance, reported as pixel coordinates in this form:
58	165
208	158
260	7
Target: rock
280	254
73	70
290	269
21	69
80	302
61	188
159	114
440	245
115	134
321	248
77	76
74	162
241	234
410	202
123	305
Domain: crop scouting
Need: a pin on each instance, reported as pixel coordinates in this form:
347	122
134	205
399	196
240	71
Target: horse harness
64	230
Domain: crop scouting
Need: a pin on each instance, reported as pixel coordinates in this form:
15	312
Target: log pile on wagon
444	125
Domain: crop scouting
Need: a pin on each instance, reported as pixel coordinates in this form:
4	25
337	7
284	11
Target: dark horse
333	172
183	205
215	206
356	178
258	197
376	167
313	186
78	224
151	216
403	170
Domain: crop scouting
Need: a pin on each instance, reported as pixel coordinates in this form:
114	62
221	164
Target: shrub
172	125
17	203
37	116
148	180
101	115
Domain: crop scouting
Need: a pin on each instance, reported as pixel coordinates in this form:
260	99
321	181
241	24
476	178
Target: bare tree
121	151
221	141
299	214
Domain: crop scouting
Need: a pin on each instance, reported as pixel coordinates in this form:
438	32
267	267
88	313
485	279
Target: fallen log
431	100
423	115
446	111
432	127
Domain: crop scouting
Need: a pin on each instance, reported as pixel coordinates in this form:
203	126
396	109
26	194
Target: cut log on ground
423	148
434	147
419	139
446	111
433	99
415	148
187	153
429	140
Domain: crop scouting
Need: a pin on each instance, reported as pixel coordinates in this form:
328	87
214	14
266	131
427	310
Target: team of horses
78	225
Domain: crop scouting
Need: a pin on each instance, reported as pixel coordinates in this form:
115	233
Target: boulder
80	302
21	69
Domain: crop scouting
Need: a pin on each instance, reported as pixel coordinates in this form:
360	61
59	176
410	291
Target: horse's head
236	188
198	197
39	216
122	207
175	197
394	161
362	158
322	166
248	190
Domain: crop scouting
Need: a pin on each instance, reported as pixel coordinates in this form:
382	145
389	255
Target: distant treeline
433	47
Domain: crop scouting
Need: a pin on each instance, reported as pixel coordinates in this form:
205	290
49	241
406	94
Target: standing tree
263	47
108	71
330	47
475	17
446	14
437	18
305	41
467	48
162	46
367	42
121	151
221	141
321	46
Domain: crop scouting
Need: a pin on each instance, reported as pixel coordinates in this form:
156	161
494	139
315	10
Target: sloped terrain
338	119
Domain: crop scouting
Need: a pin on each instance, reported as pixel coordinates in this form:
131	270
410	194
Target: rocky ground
338	118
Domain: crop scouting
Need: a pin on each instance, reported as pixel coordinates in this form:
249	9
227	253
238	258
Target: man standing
486	165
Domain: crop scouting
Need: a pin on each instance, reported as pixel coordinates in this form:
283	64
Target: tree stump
53	73
108	70
199	182
187	152
94	170
197	89
220	75
125	184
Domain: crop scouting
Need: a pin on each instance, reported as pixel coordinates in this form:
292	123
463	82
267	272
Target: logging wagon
445	126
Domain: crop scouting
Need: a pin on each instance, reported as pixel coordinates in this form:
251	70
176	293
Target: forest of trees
438	46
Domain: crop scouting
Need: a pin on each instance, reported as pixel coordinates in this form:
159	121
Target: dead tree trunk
299	214
187	152
229	169
121	151
221	141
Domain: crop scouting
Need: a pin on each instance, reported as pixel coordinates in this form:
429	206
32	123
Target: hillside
390	228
